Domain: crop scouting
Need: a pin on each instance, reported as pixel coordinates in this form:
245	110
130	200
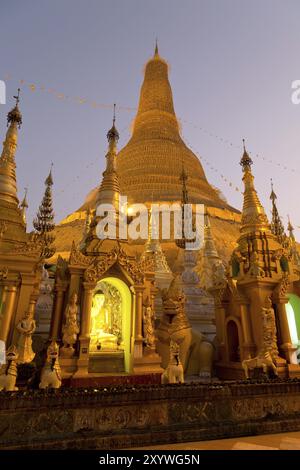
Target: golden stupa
149	166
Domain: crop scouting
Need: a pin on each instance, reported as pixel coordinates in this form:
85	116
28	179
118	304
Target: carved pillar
56	320
85	328
138	347
220	315
9	298
248	347
74	281
86	309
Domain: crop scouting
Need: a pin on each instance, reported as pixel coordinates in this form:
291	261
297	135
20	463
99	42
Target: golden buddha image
103	334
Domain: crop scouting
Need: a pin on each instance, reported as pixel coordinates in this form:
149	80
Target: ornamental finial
113	134
17	97
273	196
156	48
14	115
246	161
49	179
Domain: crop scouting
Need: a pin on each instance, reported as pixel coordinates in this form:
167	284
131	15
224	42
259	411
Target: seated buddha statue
101	335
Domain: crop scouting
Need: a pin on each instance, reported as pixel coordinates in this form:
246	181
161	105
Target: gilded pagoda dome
150	164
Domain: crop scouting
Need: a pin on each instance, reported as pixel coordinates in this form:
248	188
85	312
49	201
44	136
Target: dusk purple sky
232	63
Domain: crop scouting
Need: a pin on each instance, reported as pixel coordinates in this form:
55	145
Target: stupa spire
109	191
8	183
44	221
153	256
253	214
156	48
209	257
209	247
156	101
276	224
291	229
183	179
24	206
150	161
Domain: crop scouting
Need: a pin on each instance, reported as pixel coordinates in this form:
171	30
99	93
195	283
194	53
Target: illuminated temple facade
119	306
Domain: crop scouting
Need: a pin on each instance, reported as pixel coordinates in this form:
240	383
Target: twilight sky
232	63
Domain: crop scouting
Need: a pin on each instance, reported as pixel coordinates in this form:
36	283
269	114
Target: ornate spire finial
44	221
17	97
291	229
113	134
156	48
253	214
246	161
49	179
24	206
14	115
273	196
276	224
183	179
24	202
114	117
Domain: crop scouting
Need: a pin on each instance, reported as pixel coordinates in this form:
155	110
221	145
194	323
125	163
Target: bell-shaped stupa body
149	165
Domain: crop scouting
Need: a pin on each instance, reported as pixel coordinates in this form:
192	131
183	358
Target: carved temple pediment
103	263
77	258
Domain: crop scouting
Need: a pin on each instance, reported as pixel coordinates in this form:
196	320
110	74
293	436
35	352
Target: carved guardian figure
51	375
174	371
8	371
263	361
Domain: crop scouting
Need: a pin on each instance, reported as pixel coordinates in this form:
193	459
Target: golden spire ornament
156	48
8	183
253	214
44	221
24	206
276	223
109	190
291	229
185	217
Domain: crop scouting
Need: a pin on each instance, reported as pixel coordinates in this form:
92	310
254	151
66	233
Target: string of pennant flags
34	87
65	97
91	164
230	183
238	146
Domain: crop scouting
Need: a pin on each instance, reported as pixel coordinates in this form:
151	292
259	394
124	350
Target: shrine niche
111	320
112	291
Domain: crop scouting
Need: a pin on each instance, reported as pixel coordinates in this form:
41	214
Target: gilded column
86	309
84	338
139	314
248	345
57	317
138	343
9	296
